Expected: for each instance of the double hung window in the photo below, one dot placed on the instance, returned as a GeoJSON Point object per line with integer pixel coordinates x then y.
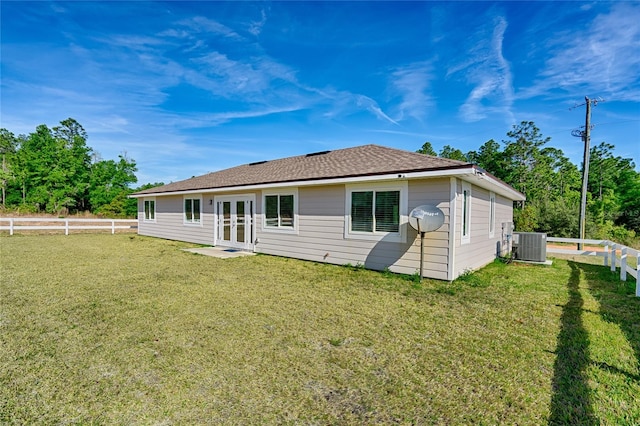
{"type": "Point", "coordinates": [280, 211]}
{"type": "Point", "coordinates": [192, 210]}
{"type": "Point", "coordinates": [150, 210]}
{"type": "Point", "coordinates": [492, 214]}
{"type": "Point", "coordinates": [466, 213]}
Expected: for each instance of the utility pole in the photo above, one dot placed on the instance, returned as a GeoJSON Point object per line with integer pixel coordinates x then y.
{"type": "Point", "coordinates": [586, 137]}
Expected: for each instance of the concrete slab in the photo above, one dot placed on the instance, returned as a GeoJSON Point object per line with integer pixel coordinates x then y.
{"type": "Point", "coordinates": [220, 252]}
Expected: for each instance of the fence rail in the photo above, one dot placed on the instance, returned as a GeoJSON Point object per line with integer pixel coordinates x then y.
{"type": "Point", "coordinates": [612, 252]}
{"type": "Point", "coordinates": [45, 223]}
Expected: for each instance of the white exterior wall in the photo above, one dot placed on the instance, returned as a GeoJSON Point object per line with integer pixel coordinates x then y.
{"type": "Point", "coordinates": [321, 238]}
{"type": "Point", "coordinates": [320, 231]}
{"type": "Point", "coordinates": [482, 247]}
{"type": "Point", "coordinates": [169, 222]}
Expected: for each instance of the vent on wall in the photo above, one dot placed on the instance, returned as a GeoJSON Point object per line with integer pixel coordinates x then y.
{"type": "Point", "coordinates": [530, 246]}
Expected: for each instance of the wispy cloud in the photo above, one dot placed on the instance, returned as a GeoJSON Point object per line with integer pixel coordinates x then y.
{"type": "Point", "coordinates": [412, 83]}
{"type": "Point", "coordinates": [214, 77]}
{"type": "Point", "coordinates": [255, 27]}
{"type": "Point", "coordinates": [340, 104]}
{"type": "Point", "coordinates": [490, 73]}
{"type": "Point", "coordinates": [398, 132]}
{"type": "Point", "coordinates": [201, 24]}
{"type": "Point", "coordinates": [603, 58]}
{"type": "Point", "coordinates": [208, 120]}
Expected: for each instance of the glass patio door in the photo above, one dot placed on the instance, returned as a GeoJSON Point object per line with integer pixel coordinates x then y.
{"type": "Point", "coordinates": [235, 222]}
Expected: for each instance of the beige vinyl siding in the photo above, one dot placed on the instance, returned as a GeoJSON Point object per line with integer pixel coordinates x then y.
{"type": "Point", "coordinates": [482, 249]}
{"type": "Point", "coordinates": [320, 230]}
{"type": "Point", "coordinates": [169, 220]}
{"type": "Point", "coordinates": [320, 236]}
{"type": "Point", "coordinates": [436, 244]}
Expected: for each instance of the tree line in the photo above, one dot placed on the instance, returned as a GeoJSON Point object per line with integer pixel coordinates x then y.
{"type": "Point", "coordinates": [53, 170]}
{"type": "Point", "coordinates": [552, 184]}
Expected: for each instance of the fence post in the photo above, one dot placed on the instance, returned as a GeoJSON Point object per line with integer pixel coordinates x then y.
{"type": "Point", "coordinates": [637, 274]}
{"type": "Point", "coordinates": [613, 257]}
{"type": "Point", "coordinates": [606, 253]}
{"type": "Point", "coordinates": [66, 227]}
{"type": "Point", "coordinates": [10, 226]}
{"type": "Point", "coordinates": [623, 264]}
{"type": "Point", "coordinates": [113, 227]}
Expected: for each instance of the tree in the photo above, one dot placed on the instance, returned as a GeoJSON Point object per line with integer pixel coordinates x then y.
{"type": "Point", "coordinates": [552, 183]}
{"type": "Point", "coordinates": [427, 149]}
{"type": "Point", "coordinates": [489, 157]}
{"type": "Point", "coordinates": [51, 171]}
{"type": "Point", "coordinates": [76, 157]}
{"type": "Point", "coordinates": [8, 147]}
{"type": "Point", "coordinates": [522, 156]}
{"type": "Point", "coordinates": [629, 190]}
{"type": "Point", "coordinates": [109, 184]}
{"type": "Point", "coordinates": [611, 181]}
{"type": "Point", "coordinates": [452, 153]}
{"type": "Point", "coordinates": [39, 169]}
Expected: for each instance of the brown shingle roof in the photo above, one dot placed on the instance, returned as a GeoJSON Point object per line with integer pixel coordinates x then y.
{"type": "Point", "coordinates": [366, 160]}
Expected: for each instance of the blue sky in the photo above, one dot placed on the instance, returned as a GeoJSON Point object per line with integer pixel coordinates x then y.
{"type": "Point", "coordinates": [185, 88]}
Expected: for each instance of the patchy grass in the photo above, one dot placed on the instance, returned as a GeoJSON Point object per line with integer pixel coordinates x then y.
{"type": "Point", "coordinates": [126, 329]}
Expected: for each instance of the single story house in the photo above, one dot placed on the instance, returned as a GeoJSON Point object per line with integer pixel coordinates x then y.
{"type": "Point", "coordinates": [346, 206]}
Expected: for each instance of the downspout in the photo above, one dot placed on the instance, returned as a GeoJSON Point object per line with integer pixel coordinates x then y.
{"type": "Point", "coordinates": [453, 189]}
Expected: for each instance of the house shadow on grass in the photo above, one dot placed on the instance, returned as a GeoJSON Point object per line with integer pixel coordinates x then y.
{"type": "Point", "coordinates": [618, 305]}
{"type": "Point", "coordinates": [571, 402]}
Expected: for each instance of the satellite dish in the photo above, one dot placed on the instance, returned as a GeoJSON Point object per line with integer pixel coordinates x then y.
{"type": "Point", "coordinates": [426, 218]}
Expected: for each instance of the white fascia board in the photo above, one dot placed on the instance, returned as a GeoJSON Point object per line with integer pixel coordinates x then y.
{"type": "Point", "coordinates": [487, 182]}
{"type": "Point", "coordinates": [467, 172]}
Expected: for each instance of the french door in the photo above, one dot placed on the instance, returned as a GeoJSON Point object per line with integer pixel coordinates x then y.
{"type": "Point", "coordinates": [235, 221]}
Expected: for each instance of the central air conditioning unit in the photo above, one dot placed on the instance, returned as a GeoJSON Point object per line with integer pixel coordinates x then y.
{"type": "Point", "coordinates": [530, 246]}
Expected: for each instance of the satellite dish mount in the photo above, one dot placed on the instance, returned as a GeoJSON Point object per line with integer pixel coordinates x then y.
{"type": "Point", "coordinates": [425, 218]}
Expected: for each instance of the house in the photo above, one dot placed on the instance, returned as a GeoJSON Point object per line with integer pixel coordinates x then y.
{"type": "Point", "coordinates": [346, 206]}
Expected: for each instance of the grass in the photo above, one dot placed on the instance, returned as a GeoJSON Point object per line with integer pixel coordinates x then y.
{"type": "Point", "coordinates": [123, 329]}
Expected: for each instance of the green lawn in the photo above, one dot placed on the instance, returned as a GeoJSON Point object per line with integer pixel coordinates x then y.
{"type": "Point", "coordinates": [122, 329]}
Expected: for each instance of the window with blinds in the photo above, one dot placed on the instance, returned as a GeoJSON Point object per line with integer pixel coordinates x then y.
{"type": "Point", "coordinates": [375, 210]}
{"type": "Point", "coordinates": [362, 211]}
{"type": "Point", "coordinates": [387, 211]}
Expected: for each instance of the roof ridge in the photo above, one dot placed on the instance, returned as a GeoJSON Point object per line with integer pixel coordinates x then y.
{"type": "Point", "coordinates": [360, 160]}
{"type": "Point", "coordinates": [447, 160]}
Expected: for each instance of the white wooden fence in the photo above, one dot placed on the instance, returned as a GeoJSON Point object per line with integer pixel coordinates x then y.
{"type": "Point", "coordinates": [614, 254]}
{"type": "Point", "coordinates": [66, 224]}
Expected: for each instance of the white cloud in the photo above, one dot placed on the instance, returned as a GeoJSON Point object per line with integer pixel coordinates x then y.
{"type": "Point", "coordinates": [202, 24]}
{"type": "Point", "coordinates": [255, 28]}
{"type": "Point", "coordinates": [340, 104]}
{"type": "Point", "coordinates": [490, 73]}
{"type": "Point", "coordinates": [412, 83]}
{"type": "Point", "coordinates": [600, 60]}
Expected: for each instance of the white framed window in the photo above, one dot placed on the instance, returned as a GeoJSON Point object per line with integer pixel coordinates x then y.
{"type": "Point", "coordinates": [466, 213]}
{"type": "Point", "coordinates": [149, 209]}
{"type": "Point", "coordinates": [192, 210]}
{"type": "Point", "coordinates": [492, 214]}
{"type": "Point", "coordinates": [376, 211]}
{"type": "Point", "coordinates": [280, 210]}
